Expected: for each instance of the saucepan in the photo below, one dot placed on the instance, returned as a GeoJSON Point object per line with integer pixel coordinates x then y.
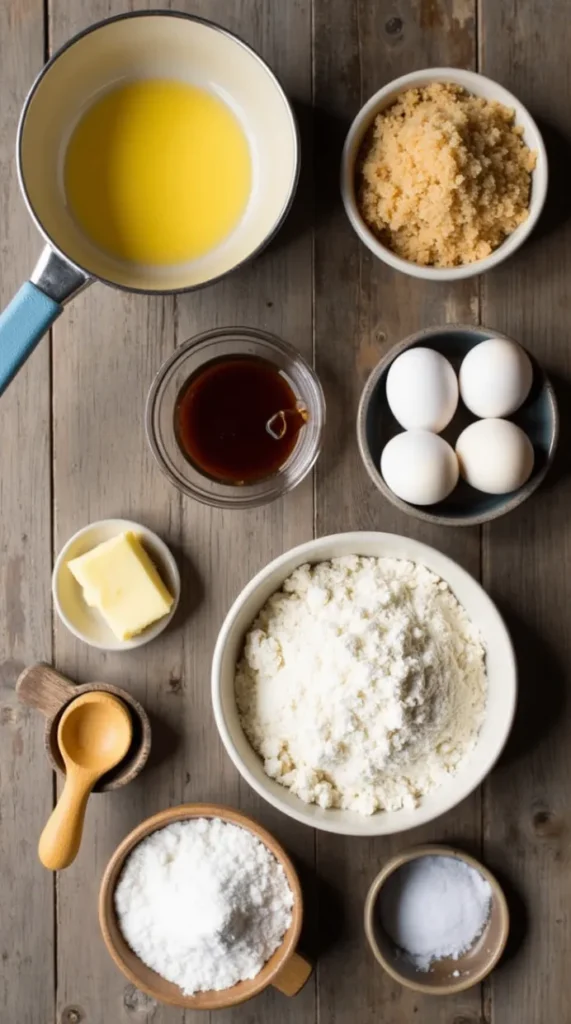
{"type": "Point", "coordinates": [165, 45]}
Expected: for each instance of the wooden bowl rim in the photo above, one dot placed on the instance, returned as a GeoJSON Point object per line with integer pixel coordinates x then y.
{"type": "Point", "coordinates": [417, 511]}
{"type": "Point", "coordinates": [133, 764]}
{"type": "Point", "coordinates": [435, 850]}
{"type": "Point", "coordinates": [203, 1000]}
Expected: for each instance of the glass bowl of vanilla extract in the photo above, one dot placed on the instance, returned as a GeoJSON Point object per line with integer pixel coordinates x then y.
{"type": "Point", "coordinates": [235, 418]}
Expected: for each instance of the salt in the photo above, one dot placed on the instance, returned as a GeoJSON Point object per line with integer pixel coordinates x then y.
{"type": "Point", "coordinates": [435, 907]}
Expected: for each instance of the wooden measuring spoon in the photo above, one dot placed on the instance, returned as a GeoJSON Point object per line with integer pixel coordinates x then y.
{"type": "Point", "coordinates": [42, 688]}
{"type": "Point", "coordinates": [94, 734]}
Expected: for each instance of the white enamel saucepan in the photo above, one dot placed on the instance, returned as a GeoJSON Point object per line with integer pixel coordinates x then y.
{"type": "Point", "coordinates": [161, 44]}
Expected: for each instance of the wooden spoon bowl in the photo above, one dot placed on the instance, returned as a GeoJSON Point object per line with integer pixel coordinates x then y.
{"type": "Point", "coordinates": [48, 691]}
{"type": "Point", "coordinates": [286, 970]}
{"type": "Point", "coordinates": [94, 735]}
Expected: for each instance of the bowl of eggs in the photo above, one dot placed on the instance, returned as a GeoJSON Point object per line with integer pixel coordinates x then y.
{"type": "Point", "coordinates": [457, 425]}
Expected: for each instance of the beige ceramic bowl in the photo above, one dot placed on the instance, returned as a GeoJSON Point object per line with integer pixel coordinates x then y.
{"type": "Point", "coordinates": [445, 977]}
{"type": "Point", "coordinates": [478, 85]}
{"type": "Point", "coordinates": [500, 665]}
{"type": "Point", "coordinates": [286, 970]}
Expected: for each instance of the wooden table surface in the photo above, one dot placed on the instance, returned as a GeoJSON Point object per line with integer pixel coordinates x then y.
{"type": "Point", "coordinates": [72, 450]}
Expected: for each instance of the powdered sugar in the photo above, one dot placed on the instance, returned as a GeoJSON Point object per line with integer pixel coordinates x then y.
{"type": "Point", "coordinates": [204, 903]}
{"type": "Point", "coordinates": [435, 907]}
{"type": "Point", "coordinates": [362, 683]}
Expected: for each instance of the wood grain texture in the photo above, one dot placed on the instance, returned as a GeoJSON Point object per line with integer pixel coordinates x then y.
{"type": "Point", "coordinates": [107, 350]}
{"type": "Point", "coordinates": [42, 688]}
{"type": "Point", "coordinates": [26, 917]}
{"type": "Point", "coordinates": [273, 293]}
{"type": "Point", "coordinates": [361, 309]}
{"type": "Point", "coordinates": [526, 556]}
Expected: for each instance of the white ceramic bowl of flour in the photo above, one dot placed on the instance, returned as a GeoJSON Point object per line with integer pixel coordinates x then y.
{"type": "Point", "coordinates": [500, 667]}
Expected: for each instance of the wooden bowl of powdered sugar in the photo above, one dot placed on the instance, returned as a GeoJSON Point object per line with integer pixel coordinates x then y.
{"type": "Point", "coordinates": [436, 920]}
{"type": "Point", "coordinates": [195, 899]}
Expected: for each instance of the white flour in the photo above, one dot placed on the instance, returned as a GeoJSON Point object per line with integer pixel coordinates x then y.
{"type": "Point", "coordinates": [204, 903]}
{"type": "Point", "coordinates": [362, 683]}
{"type": "Point", "coordinates": [435, 907]}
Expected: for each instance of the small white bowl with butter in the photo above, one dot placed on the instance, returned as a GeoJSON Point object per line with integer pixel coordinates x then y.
{"type": "Point", "coordinates": [124, 594]}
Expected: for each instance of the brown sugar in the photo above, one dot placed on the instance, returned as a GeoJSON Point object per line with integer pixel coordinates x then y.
{"type": "Point", "coordinates": [444, 176]}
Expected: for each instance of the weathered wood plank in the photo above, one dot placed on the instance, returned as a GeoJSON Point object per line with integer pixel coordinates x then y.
{"type": "Point", "coordinates": [26, 919]}
{"type": "Point", "coordinates": [361, 309]}
{"type": "Point", "coordinates": [273, 293]}
{"type": "Point", "coordinates": [116, 343]}
{"type": "Point", "coordinates": [107, 347]}
{"type": "Point", "coordinates": [527, 817]}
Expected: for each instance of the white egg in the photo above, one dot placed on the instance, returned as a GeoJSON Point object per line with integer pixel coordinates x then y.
{"type": "Point", "coordinates": [495, 378]}
{"type": "Point", "coordinates": [422, 390]}
{"type": "Point", "coordinates": [495, 456]}
{"type": "Point", "coordinates": [419, 467]}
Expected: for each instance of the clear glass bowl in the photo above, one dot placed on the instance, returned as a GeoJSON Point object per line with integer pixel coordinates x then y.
{"type": "Point", "coordinates": [175, 372]}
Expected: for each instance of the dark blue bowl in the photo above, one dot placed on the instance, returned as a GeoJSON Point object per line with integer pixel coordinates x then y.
{"type": "Point", "coordinates": [538, 417]}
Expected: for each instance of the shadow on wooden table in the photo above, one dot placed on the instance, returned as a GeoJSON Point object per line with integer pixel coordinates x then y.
{"type": "Point", "coordinates": [541, 688]}
{"type": "Point", "coordinates": [557, 209]}
{"type": "Point", "coordinates": [519, 917]}
{"type": "Point", "coordinates": [165, 741]}
{"type": "Point", "coordinates": [561, 467]}
{"type": "Point", "coordinates": [322, 135]}
{"type": "Point", "coordinates": [323, 922]}
{"type": "Point", "coordinates": [191, 588]}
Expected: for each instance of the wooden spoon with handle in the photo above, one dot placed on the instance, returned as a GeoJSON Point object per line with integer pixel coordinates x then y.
{"type": "Point", "coordinates": [94, 734]}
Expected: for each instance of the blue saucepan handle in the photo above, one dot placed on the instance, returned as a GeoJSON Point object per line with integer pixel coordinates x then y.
{"type": "Point", "coordinates": [34, 308]}
{"type": "Point", "coordinates": [22, 324]}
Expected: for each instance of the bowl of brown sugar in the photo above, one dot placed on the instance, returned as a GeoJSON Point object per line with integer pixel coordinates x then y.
{"type": "Point", "coordinates": [444, 174]}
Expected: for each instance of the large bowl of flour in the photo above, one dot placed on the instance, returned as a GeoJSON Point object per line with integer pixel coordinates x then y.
{"type": "Point", "coordinates": [364, 683]}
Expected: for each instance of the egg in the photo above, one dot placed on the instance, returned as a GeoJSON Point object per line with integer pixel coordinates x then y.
{"type": "Point", "coordinates": [422, 390]}
{"type": "Point", "coordinates": [495, 378]}
{"type": "Point", "coordinates": [495, 456]}
{"type": "Point", "coordinates": [419, 467]}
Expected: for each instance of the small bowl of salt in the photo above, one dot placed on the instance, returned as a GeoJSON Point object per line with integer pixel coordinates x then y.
{"type": "Point", "coordinates": [436, 919]}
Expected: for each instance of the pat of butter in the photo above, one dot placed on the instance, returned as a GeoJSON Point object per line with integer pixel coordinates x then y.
{"type": "Point", "coordinates": [119, 579]}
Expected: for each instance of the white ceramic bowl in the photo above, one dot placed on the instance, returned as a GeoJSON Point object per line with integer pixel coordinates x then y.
{"type": "Point", "coordinates": [500, 663]}
{"type": "Point", "coordinates": [86, 623]}
{"type": "Point", "coordinates": [479, 86]}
